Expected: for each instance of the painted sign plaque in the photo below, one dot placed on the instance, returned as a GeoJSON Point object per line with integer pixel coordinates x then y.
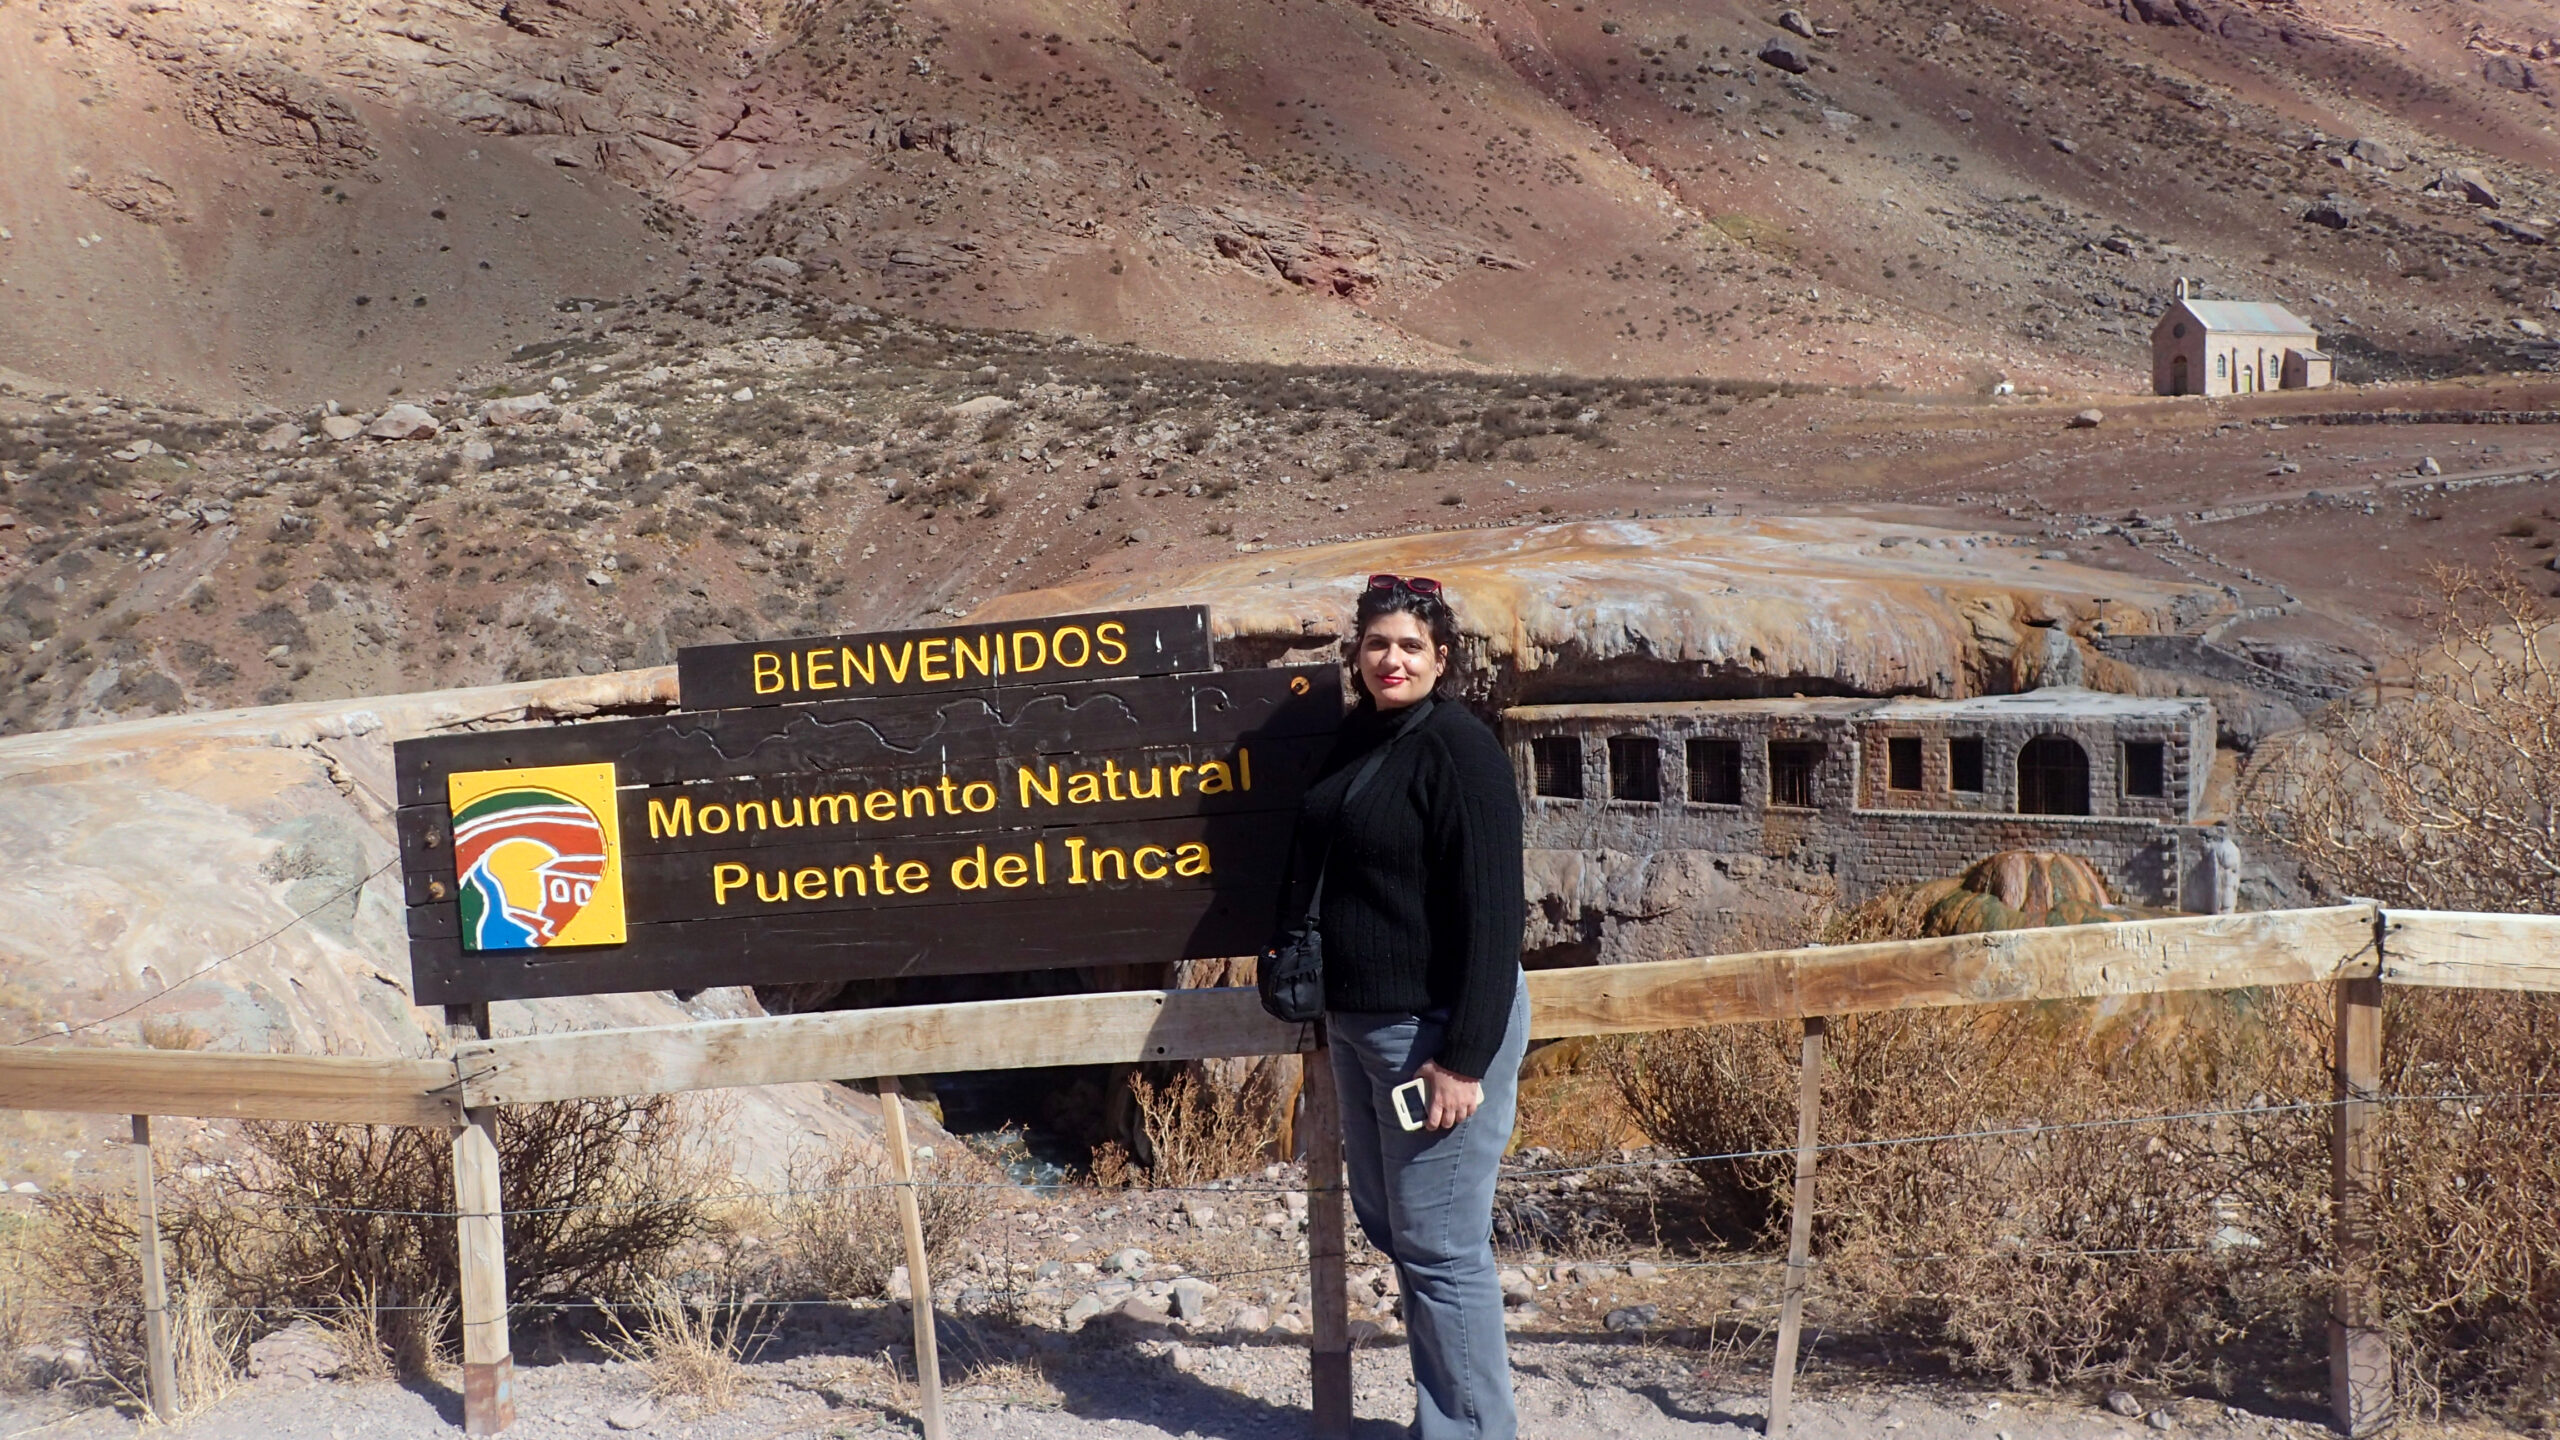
{"type": "Point", "coordinates": [1002, 827]}
{"type": "Point", "coordinates": [1167, 641]}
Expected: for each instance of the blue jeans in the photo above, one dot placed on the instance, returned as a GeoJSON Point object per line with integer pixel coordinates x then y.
{"type": "Point", "coordinates": [1425, 1199]}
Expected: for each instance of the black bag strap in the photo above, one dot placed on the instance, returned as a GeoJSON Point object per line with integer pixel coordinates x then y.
{"type": "Point", "coordinates": [1360, 781]}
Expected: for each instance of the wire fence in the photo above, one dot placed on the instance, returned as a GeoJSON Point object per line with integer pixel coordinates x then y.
{"type": "Point", "coordinates": [1510, 1174]}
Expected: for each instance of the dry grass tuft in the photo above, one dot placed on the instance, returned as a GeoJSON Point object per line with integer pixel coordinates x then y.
{"type": "Point", "coordinates": [695, 1348]}
{"type": "Point", "coordinates": [163, 1033]}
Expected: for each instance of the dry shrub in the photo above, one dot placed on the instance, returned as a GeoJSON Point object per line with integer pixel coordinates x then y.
{"type": "Point", "coordinates": [2157, 1248]}
{"type": "Point", "coordinates": [692, 1347]}
{"type": "Point", "coordinates": [328, 1217]}
{"type": "Point", "coordinates": [1197, 1132]}
{"type": "Point", "coordinates": [2445, 793]}
{"type": "Point", "coordinates": [839, 1225]}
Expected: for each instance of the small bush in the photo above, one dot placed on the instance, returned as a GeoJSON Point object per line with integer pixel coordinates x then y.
{"type": "Point", "coordinates": [330, 1216]}
{"type": "Point", "coordinates": [840, 1230]}
{"type": "Point", "coordinates": [1196, 1132]}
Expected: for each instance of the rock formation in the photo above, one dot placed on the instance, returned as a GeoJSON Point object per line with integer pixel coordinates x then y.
{"type": "Point", "coordinates": [239, 865]}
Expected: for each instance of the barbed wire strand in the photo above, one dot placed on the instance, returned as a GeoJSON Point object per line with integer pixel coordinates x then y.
{"type": "Point", "coordinates": [1240, 1188]}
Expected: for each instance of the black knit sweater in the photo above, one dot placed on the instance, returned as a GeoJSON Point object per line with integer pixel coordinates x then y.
{"type": "Point", "coordinates": [1423, 905]}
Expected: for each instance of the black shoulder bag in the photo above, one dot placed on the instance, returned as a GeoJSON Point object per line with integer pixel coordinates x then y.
{"type": "Point", "coordinates": [1291, 973]}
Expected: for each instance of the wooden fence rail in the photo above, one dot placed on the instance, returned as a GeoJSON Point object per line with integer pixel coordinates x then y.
{"type": "Point", "coordinates": [2362, 946]}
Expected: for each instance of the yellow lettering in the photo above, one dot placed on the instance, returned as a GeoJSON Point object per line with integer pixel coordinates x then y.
{"type": "Point", "coordinates": [930, 654]}
{"type": "Point", "coordinates": [1191, 858]}
{"type": "Point", "coordinates": [1011, 871]}
{"type": "Point", "coordinates": [969, 872]}
{"type": "Point", "coordinates": [794, 658]}
{"type": "Point", "coordinates": [1154, 791]}
{"type": "Point", "coordinates": [1075, 859]}
{"type": "Point", "coordinates": [880, 805]}
{"type": "Point", "coordinates": [1040, 861]}
{"type": "Point", "coordinates": [719, 813]}
{"type": "Point", "coordinates": [1112, 642]}
{"type": "Point", "coordinates": [962, 657]}
{"type": "Point", "coordinates": [860, 886]}
{"type": "Point", "coordinates": [913, 877]}
{"type": "Point", "coordinates": [904, 656]}
{"type": "Point", "coordinates": [834, 809]}
{"type": "Point", "coordinates": [907, 799]}
{"type": "Point", "coordinates": [725, 878]}
{"type": "Point", "coordinates": [1084, 788]}
{"type": "Point", "coordinates": [1031, 786]}
{"type": "Point", "coordinates": [746, 808]}
{"type": "Point", "coordinates": [767, 672]}
{"type": "Point", "coordinates": [781, 888]}
{"type": "Point", "coordinates": [950, 797]}
{"type": "Point", "coordinates": [1119, 862]}
{"type": "Point", "coordinates": [1216, 779]}
{"type": "Point", "coordinates": [1138, 861]}
{"type": "Point", "coordinates": [1178, 772]}
{"type": "Point", "coordinates": [809, 884]}
{"type": "Point", "coordinates": [1084, 646]}
{"type": "Point", "coordinates": [978, 796]}
{"type": "Point", "coordinates": [796, 815]}
{"type": "Point", "coordinates": [861, 667]}
{"type": "Point", "coordinates": [822, 675]}
{"type": "Point", "coordinates": [1244, 766]}
{"type": "Point", "coordinates": [667, 820]}
{"type": "Point", "coordinates": [1039, 651]}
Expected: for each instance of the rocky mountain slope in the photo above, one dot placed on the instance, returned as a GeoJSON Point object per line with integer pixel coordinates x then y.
{"type": "Point", "coordinates": [219, 199]}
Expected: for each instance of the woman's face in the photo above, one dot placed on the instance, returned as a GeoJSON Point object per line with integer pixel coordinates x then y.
{"type": "Point", "coordinates": [1398, 662]}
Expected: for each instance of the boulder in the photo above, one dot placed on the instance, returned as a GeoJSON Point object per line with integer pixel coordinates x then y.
{"type": "Point", "coordinates": [1786, 55]}
{"type": "Point", "coordinates": [2333, 211]}
{"type": "Point", "coordinates": [2088, 419]}
{"type": "Point", "coordinates": [2380, 156]}
{"type": "Point", "coordinates": [1794, 21]}
{"type": "Point", "coordinates": [983, 407]}
{"type": "Point", "coordinates": [774, 267]}
{"type": "Point", "coordinates": [514, 409]}
{"type": "Point", "coordinates": [2521, 234]}
{"type": "Point", "coordinates": [403, 422]}
{"type": "Point", "coordinates": [2063, 143]}
{"type": "Point", "coordinates": [341, 427]}
{"type": "Point", "coordinates": [280, 437]}
{"type": "Point", "coordinates": [2471, 185]}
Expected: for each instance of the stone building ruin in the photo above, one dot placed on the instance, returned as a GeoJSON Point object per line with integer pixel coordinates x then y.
{"type": "Point", "coordinates": [1658, 829]}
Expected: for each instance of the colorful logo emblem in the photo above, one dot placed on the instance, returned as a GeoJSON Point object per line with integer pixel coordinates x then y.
{"type": "Point", "coordinates": [539, 856]}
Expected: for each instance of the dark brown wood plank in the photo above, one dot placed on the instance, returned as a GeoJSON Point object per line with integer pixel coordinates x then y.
{"type": "Point", "coordinates": [899, 731]}
{"type": "Point", "coordinates": [1167, 640]}
{"type": "Point", "coordinates": [1102, 929]}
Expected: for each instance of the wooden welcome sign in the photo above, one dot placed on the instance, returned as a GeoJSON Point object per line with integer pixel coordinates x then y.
{"type": "Point", "coordinates": [1076, 791]}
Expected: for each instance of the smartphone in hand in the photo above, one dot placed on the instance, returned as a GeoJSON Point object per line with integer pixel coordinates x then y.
{"type": "Point", "coordinates": [1413, 1103]}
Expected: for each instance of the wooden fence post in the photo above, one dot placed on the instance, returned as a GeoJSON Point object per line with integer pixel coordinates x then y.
{"type": "Point", "coordinates": [1782, 1375]}
{"type": "Point", "coordinates": [1328, 1291]}
{"type": "Point", "coordinates": [902, 1165]}
{"type": "Point", "coordinates": [163, 1365]}
{"type": "Point", "coordinates": [488, 1362]}
{"type": "Point", "coordinates": [2360, 1379]}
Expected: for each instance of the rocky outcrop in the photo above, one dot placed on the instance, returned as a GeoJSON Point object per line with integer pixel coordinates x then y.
{"type": "Point", "coordinates": [1679, 609]}
{"type": "Point", "coordinates": [232, 875]}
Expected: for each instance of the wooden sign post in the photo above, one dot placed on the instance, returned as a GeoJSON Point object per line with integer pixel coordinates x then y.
{"type": "Point", "coordinates": [1079, 791]}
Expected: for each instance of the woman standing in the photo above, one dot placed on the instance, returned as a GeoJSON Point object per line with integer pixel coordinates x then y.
{"type": "Point", "coordinates": [1413, 827]}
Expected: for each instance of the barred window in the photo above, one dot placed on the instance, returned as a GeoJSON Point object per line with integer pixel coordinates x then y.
{"type": "Point", "coordinates": [1715, 771]}
{"type": "Point", "coordinates": [1635, 768]}
{"type": "Point", "coordinates": [1556, 763]}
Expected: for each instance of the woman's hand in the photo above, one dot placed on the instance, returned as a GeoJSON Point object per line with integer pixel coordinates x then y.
{"type": "Point", "coordinates": [1454, 1097]}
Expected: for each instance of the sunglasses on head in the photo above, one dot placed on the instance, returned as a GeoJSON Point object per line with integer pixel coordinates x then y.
{"type": "Point", "coordinates": [1418, 584]}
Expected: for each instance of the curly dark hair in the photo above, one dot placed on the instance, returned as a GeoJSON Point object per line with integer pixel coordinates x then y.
{"type": "Point", "coordinates": [1432, 610]}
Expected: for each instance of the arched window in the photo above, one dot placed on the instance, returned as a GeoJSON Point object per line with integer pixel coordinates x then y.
{"type": "Point", "coordinates": [2221, 367]}
{"type": "Point", "coordinates": [2053, 777]}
